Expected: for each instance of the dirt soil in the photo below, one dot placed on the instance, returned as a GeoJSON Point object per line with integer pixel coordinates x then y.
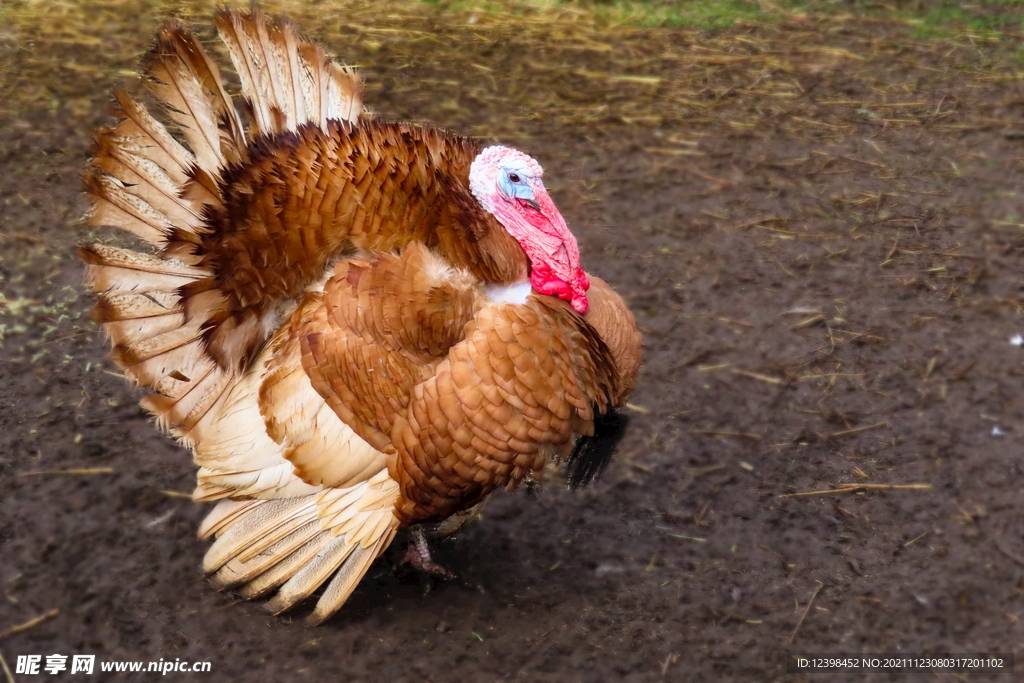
{"type": "Point", "coordinates": [820, 226]}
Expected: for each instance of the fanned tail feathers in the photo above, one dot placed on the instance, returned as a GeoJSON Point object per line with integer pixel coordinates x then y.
{"type": "Point", "coordinates": [145, 182]}
{"type": "Point", "coordinates": [295, 545]}
{"type": "Point", "coordinates": [154, 343]}
{"type": "Point", "coordinates": [287, 534]}
{"type": "Point", "coordinates": [178, 72]}
{"type": "Point", "coordinates": [286, 82]}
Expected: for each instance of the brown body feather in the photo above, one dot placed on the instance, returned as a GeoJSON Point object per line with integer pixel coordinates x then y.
{"type": "Point", "coordinates": [318, 325]}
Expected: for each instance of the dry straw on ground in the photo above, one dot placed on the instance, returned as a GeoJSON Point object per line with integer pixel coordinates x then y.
{"type": "Point", "coordinates": [568, 66]}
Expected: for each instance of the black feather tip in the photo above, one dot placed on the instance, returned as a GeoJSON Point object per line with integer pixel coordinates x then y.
{"type": "Point", "coordinates": [591, 454]}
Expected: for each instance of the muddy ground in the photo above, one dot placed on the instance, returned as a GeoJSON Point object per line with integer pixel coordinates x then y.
{"type": "Point", "coordinates": [820, 227]}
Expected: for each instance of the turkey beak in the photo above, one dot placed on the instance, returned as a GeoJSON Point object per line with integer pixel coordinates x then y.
{"type": "Point", "coordinates": [530, 202]}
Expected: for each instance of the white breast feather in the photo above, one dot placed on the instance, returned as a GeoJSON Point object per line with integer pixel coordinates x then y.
{"type": "Point", "coordinates": [513, 294]}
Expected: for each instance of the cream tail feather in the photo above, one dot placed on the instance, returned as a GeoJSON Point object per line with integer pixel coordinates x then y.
{"type": "Point", "coordinates": [295, 545]}
{"type": "Point", "coordinates": [257, 434]}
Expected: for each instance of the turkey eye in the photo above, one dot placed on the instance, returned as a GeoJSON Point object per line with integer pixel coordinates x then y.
{"type": "Point", "coordinates": [514, 177]}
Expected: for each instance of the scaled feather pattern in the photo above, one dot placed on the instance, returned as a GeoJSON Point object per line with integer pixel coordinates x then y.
{"type": "Point", "coordinates": [354, 327]}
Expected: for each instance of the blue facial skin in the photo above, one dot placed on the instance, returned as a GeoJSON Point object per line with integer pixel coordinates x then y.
{"type": "Point", "coordinates": [518, 189]}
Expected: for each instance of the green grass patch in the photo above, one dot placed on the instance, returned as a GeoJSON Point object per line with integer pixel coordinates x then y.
{"type": "Point", "coordinates": [930, 17]}
{"type": "Point", "coordinates": [705, 14]}
{"type": "Point", "coordinates": [984, 18]}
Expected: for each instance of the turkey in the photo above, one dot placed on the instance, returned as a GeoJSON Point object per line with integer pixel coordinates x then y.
{"type": "Point", "coordinates": [356, 326]}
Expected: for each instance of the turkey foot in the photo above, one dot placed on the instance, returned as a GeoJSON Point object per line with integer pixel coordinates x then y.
{"type": "Point", "coordinates": [418, 555]}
